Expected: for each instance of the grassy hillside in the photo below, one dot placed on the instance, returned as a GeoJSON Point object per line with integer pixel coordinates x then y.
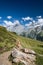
{"type": "Point", "coordinates": [8, 40]}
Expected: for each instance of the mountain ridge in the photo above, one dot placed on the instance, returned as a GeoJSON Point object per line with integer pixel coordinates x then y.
{"type": "Point", "coordinates": [8, 41]}
{"type": "Point", "coordinates": [31, 32]}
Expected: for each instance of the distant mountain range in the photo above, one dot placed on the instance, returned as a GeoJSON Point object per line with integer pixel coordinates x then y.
{"type": "Point", "coordinates": [35, 32]}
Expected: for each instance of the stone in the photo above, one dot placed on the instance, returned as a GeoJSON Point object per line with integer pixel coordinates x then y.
{"type": "Point", "coordinates": [29, 51]}
{"type": "Point", "coordinates": [20, 56]}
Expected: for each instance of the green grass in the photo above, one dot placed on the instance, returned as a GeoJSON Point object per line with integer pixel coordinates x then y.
{"type": "Point", "coordinates": [37, 46]}
{"type": "Point", "coordinates": [8, 40]}
{"type": "Point", "coordinates": [39, 60]}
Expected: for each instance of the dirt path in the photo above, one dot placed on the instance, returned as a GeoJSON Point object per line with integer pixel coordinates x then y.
{"type": "Point", "coordinates": [4, 58]}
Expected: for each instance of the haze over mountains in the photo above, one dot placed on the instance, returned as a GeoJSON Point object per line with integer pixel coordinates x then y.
{"type": "Point", "coordinates": [33, 29]}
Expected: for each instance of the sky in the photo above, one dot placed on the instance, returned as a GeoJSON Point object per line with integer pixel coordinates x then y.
{"type": "Point", "coordinates": [21, 8]}
{"type": "Point", "coordinates": [22, 12]}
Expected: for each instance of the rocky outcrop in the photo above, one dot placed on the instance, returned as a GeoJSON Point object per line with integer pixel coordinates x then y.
{"type": "Point", "coordinates": [23, 55]}
{"type": "Point", "coordinates": [26, 56]}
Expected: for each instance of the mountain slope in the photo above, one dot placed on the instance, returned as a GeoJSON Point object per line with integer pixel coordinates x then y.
{"type": "Point", "coordinates": [40, 36]}
{"type": "Point", "coordinates": [8, 40]}
{"type": "Point", "coordinates": [28, 31]}
{"type": "Point", "coordinates": [34, 33]}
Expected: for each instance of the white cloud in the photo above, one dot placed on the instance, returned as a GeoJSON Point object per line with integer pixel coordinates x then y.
{"type": "Point", "coordinates": [17, 27]}
{"type": "Point", "coordinates": [7, 23]}
{"type": "Point", "coordinates": [29, 24]}
{"type": "Point", "coordinates": [0, 17]}
{"type": "Point", "coordinates": [16, 22]}
{"type": "Point", "coordinates": [38, 16]}
{"type": "Point", "coordinates": [40, 21]}
{"type": "Point", "coordinates": [27, 18]}
{"type": "Point", "coordinates": [35, 23]}
{"type": "Point", "coordinates": [9, 17]}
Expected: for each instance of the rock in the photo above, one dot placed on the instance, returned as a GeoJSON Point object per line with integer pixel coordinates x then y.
{"type": "Point", "coordinates": [16, 60]}
{"type": "Point", "coordinates": [20, 56]}
{"type": "Point", "coordinates": [29, 51]}
{"type": "Point", "coordinates": [18, 44]}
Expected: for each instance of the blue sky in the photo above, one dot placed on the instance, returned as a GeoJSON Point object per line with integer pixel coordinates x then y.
{"type": "Point", "coordinates": [22, 12]}
{"type": "Point", "coordinates": [21, 8]}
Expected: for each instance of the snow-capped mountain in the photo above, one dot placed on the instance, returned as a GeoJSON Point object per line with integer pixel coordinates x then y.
{"type": "Point", "coordinates": [32, 30]}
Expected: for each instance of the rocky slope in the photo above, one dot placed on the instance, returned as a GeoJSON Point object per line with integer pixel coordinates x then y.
{"type": "Point", "coordinates": [23, 55]}
{"type": "Point", "coordinates": [26, 58]}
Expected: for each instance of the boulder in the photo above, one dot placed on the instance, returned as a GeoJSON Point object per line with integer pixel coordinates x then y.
{"type": "Point", "coordinates": [27, 56]}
